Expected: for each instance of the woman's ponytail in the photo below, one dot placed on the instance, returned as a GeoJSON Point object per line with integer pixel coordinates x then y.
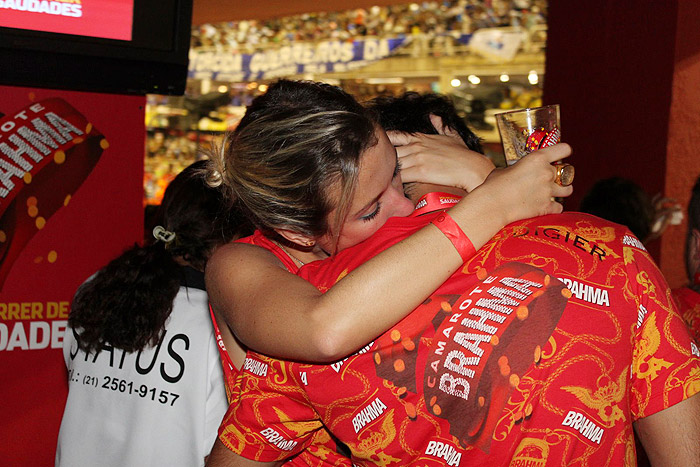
{"type": "Point", "coordinates": [125, 304]}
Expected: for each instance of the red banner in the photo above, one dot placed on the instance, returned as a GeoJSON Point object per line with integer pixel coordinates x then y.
{"type": "Point", "coordinates": [110, 19]}
{"type": "Point", "coordinates": [71, 166]}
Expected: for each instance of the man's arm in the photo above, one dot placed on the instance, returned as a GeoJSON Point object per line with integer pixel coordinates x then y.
{"type": "Point", "coordinates": [223, 457]}
{"type": "Point", "coordinates": [672, 436]}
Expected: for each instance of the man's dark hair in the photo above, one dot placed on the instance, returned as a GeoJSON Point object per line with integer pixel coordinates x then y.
{"type": "Point", "coordinates": [411, 112]}
{"type": "Point", "coordinates": [694, 207]}
{"type": "Point", "coordinates": [693, 224]}
{"type": "Point", "coordinates": [622, 201]}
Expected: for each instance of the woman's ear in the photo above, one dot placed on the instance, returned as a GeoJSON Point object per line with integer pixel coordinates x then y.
{"type": "Point", "coordinates": [297, 238]}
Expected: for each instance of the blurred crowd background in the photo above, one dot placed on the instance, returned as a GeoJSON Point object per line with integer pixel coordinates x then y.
{"type": "Point", "coordinates": [438, 24]}
{"type": "Point", "coordinates": [435, 45]}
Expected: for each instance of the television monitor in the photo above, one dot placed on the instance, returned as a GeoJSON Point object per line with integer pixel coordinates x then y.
{"type": "Point", "coordinates": [114, 46]}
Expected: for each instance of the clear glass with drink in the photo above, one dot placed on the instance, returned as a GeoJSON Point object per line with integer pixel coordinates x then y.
{"type": "Point", "coordinates": [527, 130]}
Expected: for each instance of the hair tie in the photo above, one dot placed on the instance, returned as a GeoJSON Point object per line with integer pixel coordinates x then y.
{"type": "Point", "coordinates": [214, 178]}
{"type": "Point", "coordinates": [163, 235]}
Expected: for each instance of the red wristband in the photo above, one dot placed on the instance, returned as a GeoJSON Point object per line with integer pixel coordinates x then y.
{"type": "Point", "coordinates": [454, 234]}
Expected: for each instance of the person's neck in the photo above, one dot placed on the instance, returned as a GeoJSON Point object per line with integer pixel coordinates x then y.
{"type": "Point", "coordinates": [695, 277]}
{"type": "Point", "coordinates": [300, 255]}
{"type": "Point", "coordinates": [694, 287]}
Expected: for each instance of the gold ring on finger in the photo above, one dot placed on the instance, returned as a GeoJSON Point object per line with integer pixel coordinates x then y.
{"type": "Point", "coordinates": [565, 174]}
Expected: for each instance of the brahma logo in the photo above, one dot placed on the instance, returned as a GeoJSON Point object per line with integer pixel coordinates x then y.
{"type": "Point", "coordinates": [495, 333]}
{"type": "Point", "coordinates": [531, 452]}
{"type": "Point", "coordinates": [47, 150]}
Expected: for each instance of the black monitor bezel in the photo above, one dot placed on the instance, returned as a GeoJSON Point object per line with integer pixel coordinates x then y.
{"type": "Point", "coordinates": [154, 61]}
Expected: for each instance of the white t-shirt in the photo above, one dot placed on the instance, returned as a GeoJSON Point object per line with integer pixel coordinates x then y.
{"type": "Point", "coordinates": [158, 407]}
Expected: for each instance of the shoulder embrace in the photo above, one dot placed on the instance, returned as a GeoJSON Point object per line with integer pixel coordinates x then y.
{"type": "Point", "coordinates": [237, 258]}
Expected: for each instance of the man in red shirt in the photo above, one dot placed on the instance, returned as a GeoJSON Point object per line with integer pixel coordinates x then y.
{"type": "Point", "coordinates": [549, 346]}
{"type": "Point", "coordinates": [689, 297]}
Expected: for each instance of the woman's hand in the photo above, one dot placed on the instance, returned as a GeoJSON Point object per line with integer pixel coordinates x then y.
{"type": "Point", "coordinates": [441, 159]}
{"type": "Point", "coordinates": [527, 188]}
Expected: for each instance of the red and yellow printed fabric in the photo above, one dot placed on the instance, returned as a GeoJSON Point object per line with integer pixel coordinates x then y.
{"type": "Point", "coordinates": [689, 306]}
{"type": "Point", "coordinates": [323, 450]}
{"type": "Point", "coordinates": [543, 349]}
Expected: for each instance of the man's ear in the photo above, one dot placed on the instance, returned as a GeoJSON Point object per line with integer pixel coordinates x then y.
{"type": "Point", "coordinates": [297, 238]}
{"type": "Point", "coordinates": [440, 126]}
{"type": "Point", "coordinates": [437, 123]}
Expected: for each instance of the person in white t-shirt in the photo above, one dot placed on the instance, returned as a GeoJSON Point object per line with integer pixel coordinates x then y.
{"type": "Point", "coordinates": [145, 379]}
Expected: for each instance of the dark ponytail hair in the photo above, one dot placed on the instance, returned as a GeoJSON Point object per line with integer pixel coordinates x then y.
{"type": "Point", "coordinates": [125, 305]}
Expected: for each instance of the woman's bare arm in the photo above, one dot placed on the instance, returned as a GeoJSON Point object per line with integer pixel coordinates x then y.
{"type": "Point", "coordinates": [277, 313]}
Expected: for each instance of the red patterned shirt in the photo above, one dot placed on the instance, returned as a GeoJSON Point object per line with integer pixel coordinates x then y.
{"type": "Point", "coordinates": [543, 349]}
{"type": "Point", "coordinates": [323, 449]}
{"type": "Point", "coordinates": [689, 307]}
